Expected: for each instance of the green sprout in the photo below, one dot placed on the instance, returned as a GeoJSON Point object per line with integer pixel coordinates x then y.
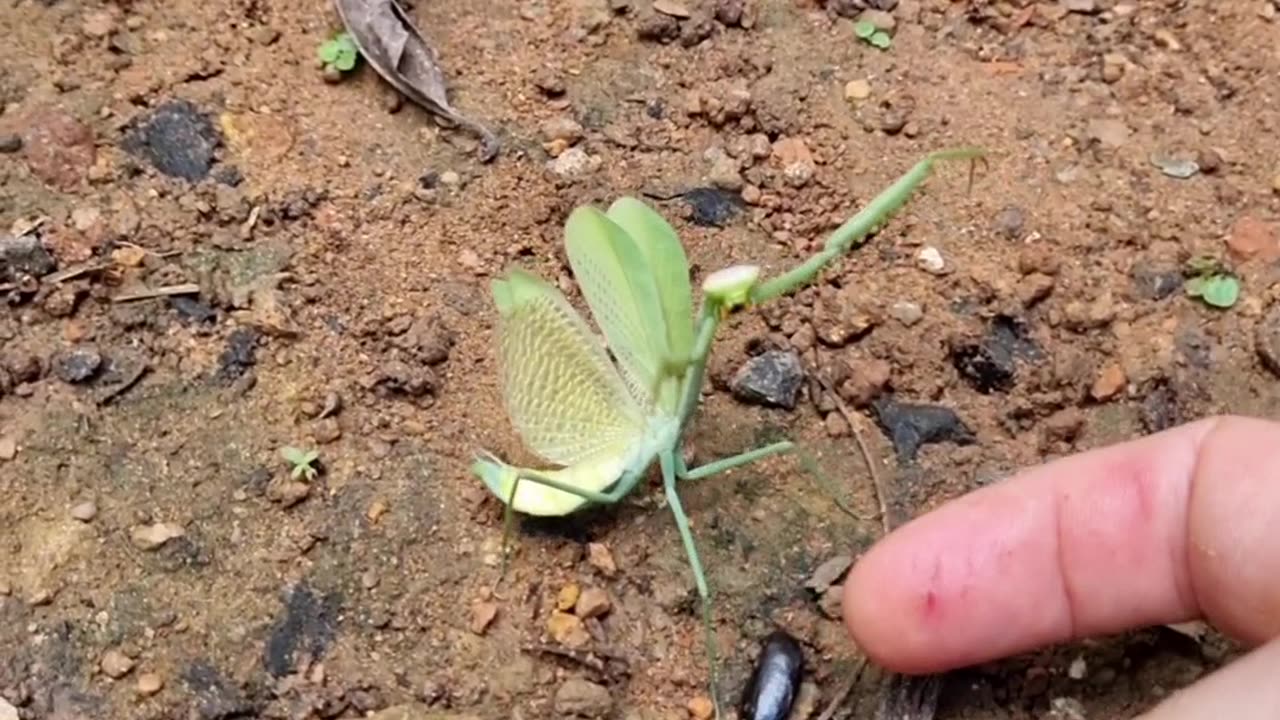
{"type": "Point", "coordinates": [1212, 282]}
{"type": "Point", "coordinates": [339, 53]}
{"type": "Point", "coordinates": [870, 34]}
{"type": "Point", "coordinates": [300, 461]}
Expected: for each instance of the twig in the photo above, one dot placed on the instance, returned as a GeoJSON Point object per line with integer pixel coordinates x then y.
{"type": "Point", "coordinates": [582, 658]}
{"type": "Point", "coordinates": [165, 291]}
{"type": "Point", "coordinates": [72, 273]}
{"type": "Point", "coordinates": [862, 446]}
{"type": "Point", "coordinates": [844, 691]}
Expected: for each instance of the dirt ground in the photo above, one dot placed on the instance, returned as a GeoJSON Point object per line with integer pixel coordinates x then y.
{"type": "Point", "coordinates": [158, 561]}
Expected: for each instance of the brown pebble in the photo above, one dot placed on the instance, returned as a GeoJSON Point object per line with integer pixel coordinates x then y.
{"type": "Point", "coordinates": [8, 448]}
{"type": "Point", "coordinates": [835, 425]}
{"type": "Point", "coordinates": [567, 630]}
{"type": "Point", "coordinates": [85, 511]}
{"type": "Point", "coordinates": [149, 684]}
{"type": "Point", "coordinates": [568, 596]}
{"type": "Point", "coordinates": [601, 559]}
{"type": "Point", "coordinates": [115, 664]}
{"type": "Point", "coordinates": [1109, 382]}
{"type": "Point", "coordinates": [482, 616]}
{"type": "Point", "coordinates": [593, 602]}
{"type": "Point", "coordinates": [701, 708]}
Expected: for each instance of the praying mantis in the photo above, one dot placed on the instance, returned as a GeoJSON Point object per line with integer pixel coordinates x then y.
{"type": "Point", "coordinates": [604, 415]}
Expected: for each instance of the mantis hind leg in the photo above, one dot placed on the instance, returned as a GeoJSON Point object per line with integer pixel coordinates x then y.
{"type": "Point", "coordinates": [621, 488]}
{"type": "Point", "coordinates": [668, 461]}
{"type": "Point", "coordinates": [750, 456]}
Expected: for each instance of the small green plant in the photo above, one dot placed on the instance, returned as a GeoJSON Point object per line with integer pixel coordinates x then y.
{"type": "Point", "coordinates": [1212, 282]}
{"type": "Point", "coordinates": [870, 34]}
{"type": "Point", "coordinates": [300, 461]}
{"type": "Point", "coordinates": [339, 53]}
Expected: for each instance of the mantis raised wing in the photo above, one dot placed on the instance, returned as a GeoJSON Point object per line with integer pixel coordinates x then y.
{"type": "Point", "coordinates": [604, 423]}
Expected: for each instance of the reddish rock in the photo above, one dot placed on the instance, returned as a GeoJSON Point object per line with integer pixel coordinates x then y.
{"type": "Point", "coordinates": [1251, 237]}
{"type": "Point", "coordinates": [58, 149]}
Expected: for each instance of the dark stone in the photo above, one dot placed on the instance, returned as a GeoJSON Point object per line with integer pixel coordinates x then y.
{"type": "Point", "coordinates": [192, 309]}
{"type": "Point", "coordinates": [10, 143]}
{"type": "Point", "coordinates": [991, 363]}
{"type": "Point", "coordinates": [1152, 281]}
{"type": "Point", "coordinates": [257, 481]}
{"type": "Point", "coordinates": [22, 256]}
{"type": "Point", "coordinates": [228, 175]}
{"type": "Point", "coordinates": [216, 698]}
{"type": "Point", "coordinates": [772, 378]}
{"type": "Point", "coordinates": [177, 139]}
{"type": "Point", "coordinates": [1010, 222]}
{"type": "Point", "coordinates": [911, 426]}
{"type": "Point", "coordinates": [77, 365]}
{"type": "Point", "coordinates": [308, 626]}
{"type": "Point", "coordinates": [713, 207]}
{"type": "Point", "coordinates": [1160, 409]}
{"type": "Point", "coordinates": [238, 355]}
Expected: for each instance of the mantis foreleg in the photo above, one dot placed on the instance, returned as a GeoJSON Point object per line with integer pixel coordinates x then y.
{"type": "Point", "coordinates": [729, 463]}
{"type": "Point", "coordinates": [668, 462]}
{"type": "Point", "coordinates": [859, 226]}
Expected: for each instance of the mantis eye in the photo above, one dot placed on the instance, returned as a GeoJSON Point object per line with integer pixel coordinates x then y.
{"type": "Point", "coordinates": [731, 286]}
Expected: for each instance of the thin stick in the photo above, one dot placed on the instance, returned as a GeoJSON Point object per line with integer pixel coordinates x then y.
{"type": "Point", "coordinates": [165, 291]}
{"type": "Point", "coordinates": [862, 446]}
{"type": "Point", "coordinates": [844, 691]}
{"type": "Point", "coordinates": [73, 273]}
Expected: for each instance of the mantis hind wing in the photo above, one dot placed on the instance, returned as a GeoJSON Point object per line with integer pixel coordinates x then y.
{"type": "Point", "coordinates": [620, 287]}
{"type": "Point", "coordinates": [563, 395]}
{"type": "Point", "coordinates": [669, 264]}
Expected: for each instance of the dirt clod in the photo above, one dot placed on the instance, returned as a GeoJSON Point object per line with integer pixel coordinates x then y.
{"type": "Point", "coordinates": [592, 603]}
{"type": "Point", "coordinates": [149, 684]}
{"type": "Point", "coordinates": [583, 698]}
{"type": "Point", "coordinates": [151, 537]}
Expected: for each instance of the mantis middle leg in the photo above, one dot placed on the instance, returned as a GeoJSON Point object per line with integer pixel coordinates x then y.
{"type": "Point", "coordinates": [718, 466]}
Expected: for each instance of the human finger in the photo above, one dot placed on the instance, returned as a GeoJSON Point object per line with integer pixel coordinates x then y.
{"type": "Point", "coordinates": [1161, 529]}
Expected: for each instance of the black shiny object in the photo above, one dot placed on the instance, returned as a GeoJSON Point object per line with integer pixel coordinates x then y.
{"type": "Point", "coordinates": [776, 681]}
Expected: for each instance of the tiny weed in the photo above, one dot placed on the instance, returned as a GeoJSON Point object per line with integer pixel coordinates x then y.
{"type": "Point", "coordinates": [868, 33]}
{"type": "Point", "coordinates": [1212, 282]}
{"type": "Point", "coordinates": [339, 53]}
{"type": "Point", "coordinates": [300, 461]}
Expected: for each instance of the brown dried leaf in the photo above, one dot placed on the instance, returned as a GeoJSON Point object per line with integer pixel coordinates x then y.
{"type": "Point", "coordinates": [388, 40]}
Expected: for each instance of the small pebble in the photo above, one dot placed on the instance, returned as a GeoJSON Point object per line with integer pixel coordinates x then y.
{"type": "Point", "coordinates": [930, 260]}
{"type": "Point", "coordinates": [857, 90]}
{"type": "Point", "coordinates": [567, 630]}
{"type": "Point", "coordinates": [1109, 382]}
{"type": "Point", "coordinates": [907, 313]}
{"type": "Point", "coordinates": [583, 698]}
{"type": "Point", "coordinates": [601, 559]}
{"type": "Point", "coordinates": [149, 684]}
{"type": "Point", "coordinates": [115, 664]}
{"type": "Point", "coordinates": [1078, 669]}
{"type": "Point", "coordinates": [568, 597]}
{"type": "Point", "coordinates": [701, 708]}
{"type": "Point", "coordinates": [593, 602]}
{"type": "Point", "coordinates": [8, 447]}
{"type": "Point", "coordinates": [151, 537]}
{"type": "Point", "coordinates": [85, 511]}
{"type": "Point", "coordinates": [482, 616]}
{"type": "Point", "coordinates": [10, 143]}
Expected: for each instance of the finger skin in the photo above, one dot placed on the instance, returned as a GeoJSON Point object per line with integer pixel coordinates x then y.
{"type": "Point", "coordinates": [1244, 690]}
{"type": "Point", "coordinates": [1163, 529]}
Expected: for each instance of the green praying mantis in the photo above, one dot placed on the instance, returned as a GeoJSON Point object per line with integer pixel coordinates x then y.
{"type": "Point", "coordinates": [604, 420]}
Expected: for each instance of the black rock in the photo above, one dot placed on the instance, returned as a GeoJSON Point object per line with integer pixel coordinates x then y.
{"type": "Point", "coordinates": [990, 364]}
{"type": "Point", "coordinates": [238, 355]}
{"type": "Point", "coordinates": [177, 139]}
{"type": "Point", "coordinates": [772, 378]}
{"type": "Point", "coordinates": [1160, 409]}
{"type": "Point", "coordinates": [24, 255]}
{"type": "Point", "coordinates": [911, 426]}
{"type": "Point", "coordinates": [1152, 281]}
{"type": "Point", "coordinates": [10, 143]}
{"type": "Point", "coordinates": [77, 365]}
{"type": "Point", "coordinates": [192, 309]}
{"type": "Point", "coordinates": [713, 207]}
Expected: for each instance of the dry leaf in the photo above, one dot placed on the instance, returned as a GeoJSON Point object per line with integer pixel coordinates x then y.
{"type": "Point", "coordinates": [395, 49]}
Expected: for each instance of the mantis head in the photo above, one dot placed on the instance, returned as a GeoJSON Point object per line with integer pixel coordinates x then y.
{"type": "Point", "coordinates": [731, 287]}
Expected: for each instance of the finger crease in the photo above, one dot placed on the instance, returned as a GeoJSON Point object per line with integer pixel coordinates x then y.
{"type": "Point", "coordinates": [1068, 595]}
